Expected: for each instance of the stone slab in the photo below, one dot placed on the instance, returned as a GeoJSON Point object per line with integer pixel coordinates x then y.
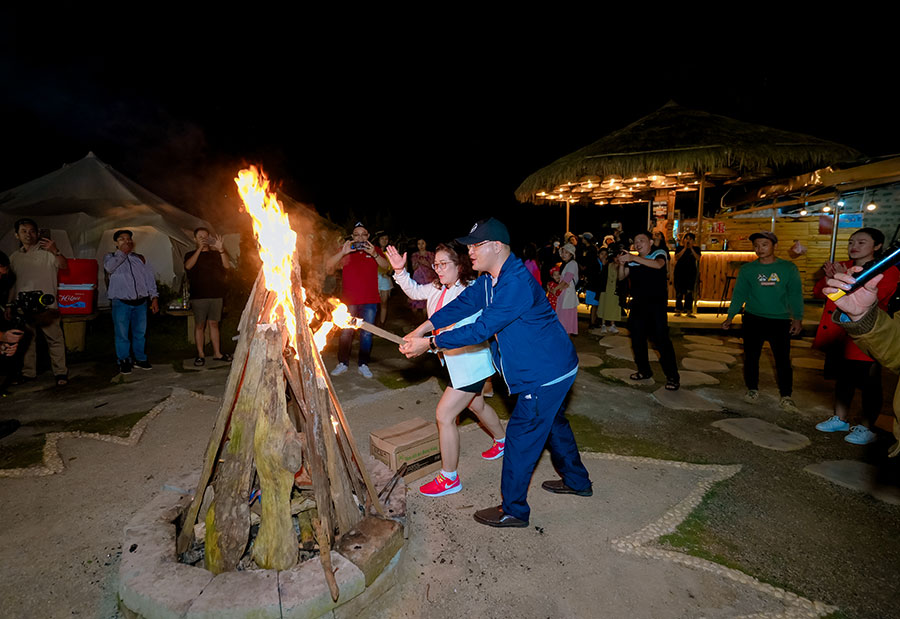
{"type": "Point", "coordinates": [623, 375]}
{"type": "Point", "coordinates": [619, 331]}
{"type": "Point", "coordinates": [615, 341]}
{"type": "Point", "coordinates": [712, 356]}
{"type": "Point", "coordinates": [808, 363]}
{"type": "Point", "coordinates": [734, 340]}
{"type": "Point", "coordinates": [626, 354]}
{"type": "Point", "coordinates": [371, 545]}
{"type": "Point", "coordinates": [703, 339]}
{"type": "Point", "coordinates": [166, 591]}
{"type": "Point", "coordinates": [164, 508]}
{"type": "Point", "coordinates": [728, 350]}
{"type": "Point", "coordinates": [305, 593]}
{"type": "Point", "coordinates": [388, 578]}
{"type": "Point", "coordinates": [801, 344]}
{"type": "Point", "coordinates": [762, 433]}
{"type": "Point", "coordinates": [703, 365]}
{"type": "Point", "coordinates": [587, 360]}
{"type": "Point", "coordinates": [145, 546]}
{"type": "Point", "coordinates": [690, 378]}
{"type": "Point", "coordinates": [683, 400]}
{"type": "Point", "coordinates": [233, 595]}
{"type": "Point", "coordinates": [857, 476]}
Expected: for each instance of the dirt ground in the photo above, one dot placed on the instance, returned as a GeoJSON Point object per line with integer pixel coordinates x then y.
{"type": "Point", "coordinates": [60, 538]}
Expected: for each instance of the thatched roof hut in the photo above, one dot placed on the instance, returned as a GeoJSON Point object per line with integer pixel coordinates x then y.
{"type": "Point", "coordinates": [682, 145]}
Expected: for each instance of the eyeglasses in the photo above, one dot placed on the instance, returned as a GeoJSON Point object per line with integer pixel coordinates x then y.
{"type": "Point", "coordinates": [477, 245]}
{"type": "Point", "coordinates": [440, 266]}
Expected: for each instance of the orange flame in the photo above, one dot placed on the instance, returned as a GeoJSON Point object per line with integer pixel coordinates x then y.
{"type": "Point", "coordinates": [277, 243]}
{"type": "Point", "coordinates": [341, 317]}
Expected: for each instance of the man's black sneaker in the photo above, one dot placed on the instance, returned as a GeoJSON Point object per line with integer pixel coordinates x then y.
{"type": "Point", "coordinates": [494, 517]}
{"type": "Point", "coordinates": [125, 366]}
{"type": "Point", "coordinates": [558, 486]}
{"type": "Point", "coordinates": [144, 365]}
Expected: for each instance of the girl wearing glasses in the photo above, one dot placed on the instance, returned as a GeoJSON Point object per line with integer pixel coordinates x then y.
{"type": "Point", "coordinates": [469, 367]}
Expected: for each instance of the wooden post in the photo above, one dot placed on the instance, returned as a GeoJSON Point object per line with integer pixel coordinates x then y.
{"type": "Point", "coordinates": [228, 518]}
{"type": "Point", "coordinates": [276, 446]}
{"type": "Point", "coordinates": [249, 318]}
{"type": "Point", "coordinates": [700, 214]}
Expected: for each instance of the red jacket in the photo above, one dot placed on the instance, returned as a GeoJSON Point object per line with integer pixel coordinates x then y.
{"type": "Point", "coordinates": [829, 333]}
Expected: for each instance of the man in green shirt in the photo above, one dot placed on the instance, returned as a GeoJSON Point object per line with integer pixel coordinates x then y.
{"type": "Point", "coordinates": [770, 292]}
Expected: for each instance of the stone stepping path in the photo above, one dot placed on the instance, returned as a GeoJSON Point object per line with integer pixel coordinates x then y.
{"type": "Point", "coordinates": [712, 356]}
{"type": "Point", "coordinates": [615, 341]}
{"type": "Point", "coordinates": [587, 360]}
{"type": "Point", "coordinates": [623, 374]}
{"type": "Point", "coordinates": [735, 340]}
{"type": "Point", "coordinates": [800, 344]}
{"type": "Point", "coordinates": [702, 339]}
{"type": "Point", "coordinates": [683, 400]}
{"type": "Point", "coordinates": [703, 365]}
{"type": "Point", "coordinates": [808, 363]}
{"type": "Point", "coordinates": [690, 378]}
{"type": "Point", "coordinates": [857, 476]}
{"type": "Point", "coordinates": [621, 331]}
{"type": "Point", "coordinates": [763, 434]}
{"type": "Point", "coordinates": [626, 354]}
{"type": "Point", "coordinates": [728, 350]}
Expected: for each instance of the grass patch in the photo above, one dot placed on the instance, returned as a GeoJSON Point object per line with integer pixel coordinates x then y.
{"type": "Point", "coordinates": [696, 537]}
{"type": "Point", "coordinates": [590, 437]}
{"type": "Point", "coordinates": [22, 454]}
{"type": "Point", "coordinates": [119, 425]}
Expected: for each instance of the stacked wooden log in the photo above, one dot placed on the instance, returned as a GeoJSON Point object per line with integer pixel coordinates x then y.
{"type": "Point", "coordinates": [279, 413]}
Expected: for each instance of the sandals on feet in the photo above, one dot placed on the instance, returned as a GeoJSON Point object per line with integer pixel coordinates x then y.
{"type": "Point", "coordinates": [672, 385]}
{"type": "Point", "coordinates": [62, 380]}
{"type": "Point", "coordinates": [224, 357]}
{"type": "Point", "coordinates": [199, 361]}
{"type": "Point", "coordinates": [639, 376]}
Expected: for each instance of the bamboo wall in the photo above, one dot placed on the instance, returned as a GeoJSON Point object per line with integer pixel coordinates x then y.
{"type": "Point", "coordinates": [715, 265]}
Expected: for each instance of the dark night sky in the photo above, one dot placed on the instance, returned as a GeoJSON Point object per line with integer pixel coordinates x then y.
{"type": "Point", "coordinates": [429, 130]}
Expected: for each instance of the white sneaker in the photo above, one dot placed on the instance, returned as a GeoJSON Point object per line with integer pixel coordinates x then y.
{"type": "Point", "coordinates": [604, 330]}
{"type": "Point", "coordinates": [365, 371]}
{"type": "Point", "coordinates": [860, 435]}
{"type": "Point", "coordinates": [752, 396]}
{"type": "Point", "coordinates": [788, 406]}
{"type": "Point", "coordinates": [339, 369]}
{"type": "Point", "coordinates": [613, 330]}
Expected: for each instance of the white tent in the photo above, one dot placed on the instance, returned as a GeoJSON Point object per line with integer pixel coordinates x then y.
{"type": "Point", "coordinates": [84, 202]}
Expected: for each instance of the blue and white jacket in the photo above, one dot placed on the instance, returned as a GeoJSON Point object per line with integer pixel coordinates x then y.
{"type": "Point", "coordinates": [529, 345]}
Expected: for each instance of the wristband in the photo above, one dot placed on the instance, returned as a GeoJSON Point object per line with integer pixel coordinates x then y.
{"type": "Point", "coordinates": [431, 344]}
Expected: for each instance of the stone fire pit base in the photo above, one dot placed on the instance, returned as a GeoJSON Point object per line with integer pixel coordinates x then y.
{"type": "Point", "coordinates": [153, 584]}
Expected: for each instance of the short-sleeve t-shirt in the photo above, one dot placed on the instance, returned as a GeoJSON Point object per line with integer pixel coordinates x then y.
{"type": "Point", "coordinates": [360, 278]}
{"type": "Point", "coordinates": [207, 278]}
{"type": "Point", "coordinates": [647, 283]}
{"type": "Point", "coordinates": [35, 270]}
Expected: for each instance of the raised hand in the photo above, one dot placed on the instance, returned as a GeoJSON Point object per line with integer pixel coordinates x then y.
{"type": "Point", "coordinates": [397, 261]}
{"type": "Point", "coordinates": [857, 303]}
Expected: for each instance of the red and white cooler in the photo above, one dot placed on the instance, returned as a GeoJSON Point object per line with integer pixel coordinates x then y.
{"type": "Point", "coordinates": [77, 289]}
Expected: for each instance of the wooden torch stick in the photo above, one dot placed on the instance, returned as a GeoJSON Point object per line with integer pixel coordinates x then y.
{"type": "Point", "coordinates": [365, 326]}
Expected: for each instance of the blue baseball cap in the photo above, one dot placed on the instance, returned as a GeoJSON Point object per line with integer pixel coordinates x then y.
{"type": "Point", "coordinates": [486, 230]}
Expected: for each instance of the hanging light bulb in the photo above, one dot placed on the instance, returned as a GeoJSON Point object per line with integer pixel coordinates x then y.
{"type": "Point", "coordinates": [827, 209]}
{"type": "Point", "coordinates": [871, 206]}
{"type": "Point", "coordinates": [803, 212]}
{"type": "Point", "coordinates": [840, 203]}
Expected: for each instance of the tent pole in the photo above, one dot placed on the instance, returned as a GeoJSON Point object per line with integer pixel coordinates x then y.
{"type": "Point", "coordinates": [700, 213]}
{"type": "Point", "coordinates": [567, 217]}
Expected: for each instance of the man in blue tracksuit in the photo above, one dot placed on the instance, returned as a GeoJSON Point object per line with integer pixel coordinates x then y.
{"type": "Point", "coordinates": [535, 356]}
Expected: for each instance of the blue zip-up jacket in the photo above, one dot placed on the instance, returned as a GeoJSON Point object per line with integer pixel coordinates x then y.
{"type": "Point", "coordinates": [530, 346]}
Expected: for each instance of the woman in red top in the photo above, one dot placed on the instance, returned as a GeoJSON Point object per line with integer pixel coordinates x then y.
{"type": "Point", "coordinates": [855, 370]}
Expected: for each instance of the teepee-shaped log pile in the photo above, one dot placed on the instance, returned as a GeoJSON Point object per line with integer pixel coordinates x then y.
{"type": "Point", "coordinates": [279, 413]}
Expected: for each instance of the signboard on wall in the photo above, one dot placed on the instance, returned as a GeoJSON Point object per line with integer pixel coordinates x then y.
{"type": "Point", "coordinates": [846, 220]}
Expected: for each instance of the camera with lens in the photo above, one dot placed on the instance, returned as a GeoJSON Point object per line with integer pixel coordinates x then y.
{"type": "Point", "coordinates": [361, 246]}
{"type": "Point", "coordinates": [28, 306]}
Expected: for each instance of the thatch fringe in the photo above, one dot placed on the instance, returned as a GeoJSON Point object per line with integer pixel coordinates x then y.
{"type": "Point", "coordinates": [677, 138]}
